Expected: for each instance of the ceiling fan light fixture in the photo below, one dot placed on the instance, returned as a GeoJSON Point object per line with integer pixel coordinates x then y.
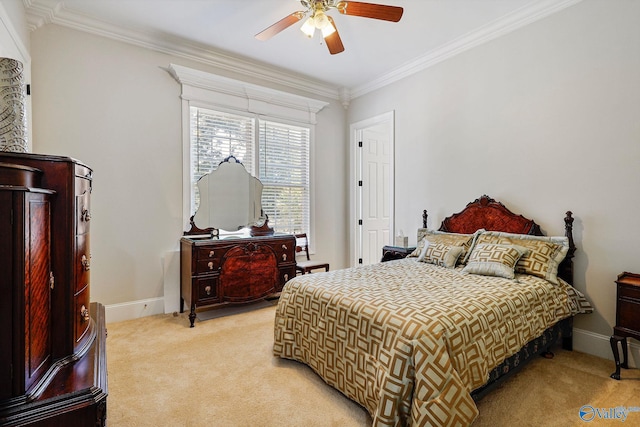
{"type": "Point", "coordinates": [328, 30]}
{"type": "Point", "coordinates": [320, 19]}
{"type": "Point", "coordinates": [308, 28]}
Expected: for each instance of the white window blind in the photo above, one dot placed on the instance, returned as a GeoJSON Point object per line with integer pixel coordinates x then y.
{"type": "Point", "coordinates": [283, 167]}
{"type": "Point", "coordinates": [214, 137]}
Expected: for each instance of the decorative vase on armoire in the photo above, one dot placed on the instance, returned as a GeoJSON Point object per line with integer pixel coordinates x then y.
{"type": "Point", "coordinates": [13, 118]}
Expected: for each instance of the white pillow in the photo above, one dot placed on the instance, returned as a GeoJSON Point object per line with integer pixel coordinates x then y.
{"type": "Point", "coordinates": [423, 252]}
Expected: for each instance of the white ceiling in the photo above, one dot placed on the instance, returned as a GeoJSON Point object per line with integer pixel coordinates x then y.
{"type": "Point", "coordinates": [375, 51]}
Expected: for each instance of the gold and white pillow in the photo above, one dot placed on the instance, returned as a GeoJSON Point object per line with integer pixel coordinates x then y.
{"type": "Point", "coordinates": [489, 259]}
{"type": "Point", "coordinates": [544, 256]}
{"type": "Point", "coordinates": [465, 241]}
{"type": "Point", "coordinates": [440, 254]}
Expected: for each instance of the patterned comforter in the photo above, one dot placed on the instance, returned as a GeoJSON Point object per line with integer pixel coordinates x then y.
{"type": "Point", "coordinates": [408, 340]}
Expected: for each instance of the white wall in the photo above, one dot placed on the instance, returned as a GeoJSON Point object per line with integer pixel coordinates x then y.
{"type": "Point", "coordinates": [114, 107]}
{"type": "Point", "coordinates": [14, 35]}
{"type": "Point", "coordinates": [545, 119]}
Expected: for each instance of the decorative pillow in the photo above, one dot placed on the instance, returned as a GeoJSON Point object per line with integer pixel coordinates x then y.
{"type": "Point", "coordinates": [466, 241]}
{"type": "Point", "coordinates": [545, 253]}
{"type": "Point", "coordinates": [425, 244]}
{"type": "Point", "coordinates": [441, 254]}
{"type": "Point", "coordinates": [494, 260]}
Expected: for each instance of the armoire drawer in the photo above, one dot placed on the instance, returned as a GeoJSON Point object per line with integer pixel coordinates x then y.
{"type": "Point", "coordinates": [82, 262]}
{"type": "Point", "coordinates": [82, 315]}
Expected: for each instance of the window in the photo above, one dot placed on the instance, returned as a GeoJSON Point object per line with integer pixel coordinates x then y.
{"type": "Point", "coordinates": [268, 130]}
{"type": "Point", "coordinates": [281, 161]}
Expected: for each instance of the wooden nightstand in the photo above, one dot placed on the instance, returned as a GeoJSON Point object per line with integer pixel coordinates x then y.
{"type": "Point", "coordinates": [395, 252]}
{"type": "Point", "coordinates": [627, 318]}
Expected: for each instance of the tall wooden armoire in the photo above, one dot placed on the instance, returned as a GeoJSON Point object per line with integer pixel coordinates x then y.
{"type": "Point", "coordinates": [54, 371]}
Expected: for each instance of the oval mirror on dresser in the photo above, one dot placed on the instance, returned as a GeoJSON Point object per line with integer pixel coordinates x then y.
{"type": "Point", "coordinates": [230, 198]}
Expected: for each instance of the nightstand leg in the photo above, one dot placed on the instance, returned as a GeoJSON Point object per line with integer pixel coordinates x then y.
{"type": "Point", "coordinates": [625, 354]}
{"type": "Point", "coordinates": [616, 355]}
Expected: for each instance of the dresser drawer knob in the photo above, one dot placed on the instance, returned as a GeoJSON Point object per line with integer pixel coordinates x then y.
{"type": "Point", "coordinates": [86, 264]}
{"type": "Point", "coordinates": [84, 314]}
{"type": "Point", "coordinates": [286, 277]}
{"type": "Point", "coordinates": [211, 253]}
{"type": "Point", "coordinates": [210, 265]}
{"type": "Point", "coordinates": [52, 280]}
{"type": "Point", "coordinates": [207, 290]}
{"type": "Point", "coordinates": [284, 257]}
{"type": "Point", "coordinates": [284, 247]}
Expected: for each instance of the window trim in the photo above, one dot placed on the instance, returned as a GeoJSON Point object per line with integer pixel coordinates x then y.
{"type": "Point", "coordinates": [207, 90]}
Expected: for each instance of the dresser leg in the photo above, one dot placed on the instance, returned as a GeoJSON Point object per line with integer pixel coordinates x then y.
{"type": "Point", "coordinates": [616, 355]}
{"type": "Point", "coordinates": [192, 315]}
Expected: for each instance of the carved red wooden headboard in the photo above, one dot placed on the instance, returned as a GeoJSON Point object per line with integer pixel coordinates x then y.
{"type": "Point", "coordinates": [492, 215]}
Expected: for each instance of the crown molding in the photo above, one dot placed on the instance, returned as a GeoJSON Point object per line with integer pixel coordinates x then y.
{"type": "Point", "coordinates": [246, 92]}
{"type": "Point", "coordinates": [508, 23]}
{"type": "Point", "coordinates": [39, 14]}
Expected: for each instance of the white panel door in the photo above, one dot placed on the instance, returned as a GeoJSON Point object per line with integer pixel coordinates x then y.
{"type": "Point", "coordinates": [375, 191]}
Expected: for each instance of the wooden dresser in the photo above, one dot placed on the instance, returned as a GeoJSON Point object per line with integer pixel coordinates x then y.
{"type": "Point", "coordinates": [230, 271]}
{"type": "Point", "coordinates": [627, 318]}
{"type": "Point", "coordinates": [53, 358]}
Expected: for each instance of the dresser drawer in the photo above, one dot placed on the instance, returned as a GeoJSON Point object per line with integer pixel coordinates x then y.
{"type": "Point", "coordinates": [629, 292]}
{"type": "Point", "coordinates": [285, 250]}
{"type": "Point", "coordinates": [208, 253]}
{"type": "Point", "coordinates": [206, 266]}
{"type": "Point", "coordinates": [206, 290]}
{"type": "Point", "coordinates": [208, 259]}
{"type": "Point", "coordinates": [286, 274]}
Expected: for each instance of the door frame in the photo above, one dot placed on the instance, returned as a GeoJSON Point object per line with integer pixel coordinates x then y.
{"type": "Point", "coordinates": [355, 131]}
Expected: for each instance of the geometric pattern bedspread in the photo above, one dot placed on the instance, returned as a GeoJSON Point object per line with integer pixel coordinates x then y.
{"type": "Point", "coordinates": [409, 340]}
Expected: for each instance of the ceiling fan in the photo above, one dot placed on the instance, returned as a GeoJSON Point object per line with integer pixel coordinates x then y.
{"type": "Point", "coordinates": [318, 19]}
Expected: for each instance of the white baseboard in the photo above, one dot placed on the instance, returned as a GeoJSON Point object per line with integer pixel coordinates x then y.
{"type": "Point", "coordinates": [134, 309]}
{"type": "Point", "coordinates": [598, 345]}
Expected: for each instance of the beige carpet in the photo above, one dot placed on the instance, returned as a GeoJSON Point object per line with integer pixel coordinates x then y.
{"type": "Point", "coordinates": [222, 373]}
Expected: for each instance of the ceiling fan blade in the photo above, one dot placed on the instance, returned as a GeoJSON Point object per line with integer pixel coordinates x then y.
{"type": "Point", "coordinates": [370, 10]}
{"type": "Point", "coordinates": [282, 24]}
{"type": "Point", "coordinates": [333, 41]}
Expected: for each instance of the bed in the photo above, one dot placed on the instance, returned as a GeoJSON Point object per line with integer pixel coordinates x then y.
{"type": "Point", "coordinates": [416, 340]}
